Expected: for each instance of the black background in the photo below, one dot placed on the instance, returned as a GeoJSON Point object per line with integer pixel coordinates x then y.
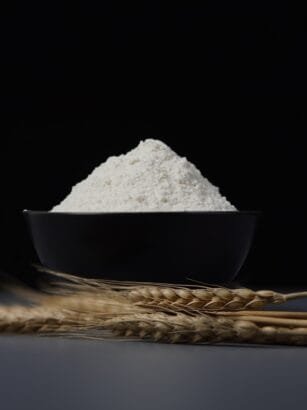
{"type": "Point", "coordinates": [223, 84]}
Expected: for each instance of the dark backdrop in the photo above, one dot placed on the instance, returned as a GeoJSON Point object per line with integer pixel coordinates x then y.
{"type": "Point", "coordinates": [220, 83]}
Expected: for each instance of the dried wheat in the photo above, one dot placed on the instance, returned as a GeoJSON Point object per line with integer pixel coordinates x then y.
{"type": "Point", "coordinates": [171, 297]}
{"type": "Point", "coordinates": [208, 299]}
{"type": "Point", "coordinates": [19, 319]}
{"type": "Point", "coordinates": [181, 328]}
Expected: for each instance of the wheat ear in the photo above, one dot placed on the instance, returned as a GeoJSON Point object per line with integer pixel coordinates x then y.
{"type": "Point", "coordinates": [179, 328]}
{"type": "Point", "coordinates": [20, 319]}
{"type": "Point", "coordinates": [171, 297]}
{"type": "Point", "coordinates": [203, 299]}
{"type": "Point", "coordinates": [182, 328]}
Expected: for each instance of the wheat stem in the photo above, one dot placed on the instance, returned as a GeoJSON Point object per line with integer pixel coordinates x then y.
{"type": "Point", "coordinates": [265, 313]}
{"type": "Point", "coordinates": [296, 295]}
{"type": "Point", "coordinates": [278, 321]}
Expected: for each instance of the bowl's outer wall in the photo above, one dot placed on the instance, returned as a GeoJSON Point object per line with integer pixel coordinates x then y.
{"type": "Point", "coordinates": [210, 247]}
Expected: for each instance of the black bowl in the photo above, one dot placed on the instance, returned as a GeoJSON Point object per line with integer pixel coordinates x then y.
{"type": "Point", "coordinates": [152, 246]}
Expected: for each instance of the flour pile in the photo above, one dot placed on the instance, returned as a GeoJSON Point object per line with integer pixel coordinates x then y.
{"type": "Point", "coordinates": [151, 177]}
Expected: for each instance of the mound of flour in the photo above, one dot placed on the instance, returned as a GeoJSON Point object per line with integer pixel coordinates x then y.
{"type": "Point", "coordinates": [151, 177]}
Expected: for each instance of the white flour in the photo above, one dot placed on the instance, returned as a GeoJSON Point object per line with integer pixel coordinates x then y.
{"type": "Point", "coordinates": [151, 177]}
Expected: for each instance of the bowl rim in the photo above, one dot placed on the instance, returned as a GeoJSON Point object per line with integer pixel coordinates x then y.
{"type": "Point", "coordinates": [87, 214]}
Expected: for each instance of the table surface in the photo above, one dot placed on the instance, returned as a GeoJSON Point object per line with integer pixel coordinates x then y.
{"type": "Point", "coordinates": [55, 373]}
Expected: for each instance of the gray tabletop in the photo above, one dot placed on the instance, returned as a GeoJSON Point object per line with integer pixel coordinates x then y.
{"type": "Point", "coordinates": [53, 373]}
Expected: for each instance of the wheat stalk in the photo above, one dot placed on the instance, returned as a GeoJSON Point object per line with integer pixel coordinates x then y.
{"type": "Point", "coordinates": [171, 297]}
{"type": "Point", "coordinates": [174, 298]}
